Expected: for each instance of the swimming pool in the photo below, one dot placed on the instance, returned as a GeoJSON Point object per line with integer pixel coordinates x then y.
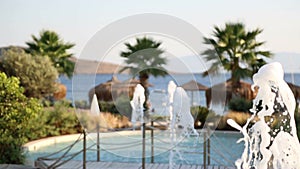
{"type": "Point", "coordinates": [127, 146]}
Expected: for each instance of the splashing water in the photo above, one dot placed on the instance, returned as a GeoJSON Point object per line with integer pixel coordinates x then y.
{"type": "Point", "coordinates": [270, 133]}
{"type": "Point", "coordinates": [181, 112]}
{"type": "Point", "coordinates": [171, 89]}
{"type": "Point", "coordinates": [137, 105]}
{"type": "Point", "coordinates": [181, 118]}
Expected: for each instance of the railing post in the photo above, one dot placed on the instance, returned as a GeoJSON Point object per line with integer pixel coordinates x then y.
{"type": "Point", "coordinates": [84, 149]}
{"type": "Point", "coordinates": [144, 145]}
{"type": "Point", "coordinates": [208, 146]}
{"type": "Point", "coordinates": [152, 142]}
{"type": "Point", "coordinates": [204, 149]}
{"type": "Point", "coordinates": [98, 142]}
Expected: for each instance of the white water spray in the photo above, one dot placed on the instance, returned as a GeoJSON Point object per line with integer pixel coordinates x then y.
{"type": "Point", "coordinates": [137, 105]}
{"type": "Point", "coordinates": [180, 117]}
{"type": "Point", "coordinates": [271, 142]}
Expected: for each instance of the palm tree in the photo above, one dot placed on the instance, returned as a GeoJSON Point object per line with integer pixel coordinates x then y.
{"type": "Point", "coordinates": [144, 59]}
{"type": "Point", "coordinates": [236, 50]}
{"type": "Point", "coordinates": [50, 44]}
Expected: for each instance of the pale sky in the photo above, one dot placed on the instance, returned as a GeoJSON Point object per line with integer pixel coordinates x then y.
{"type": "Point", "coordinates": [77, 21]}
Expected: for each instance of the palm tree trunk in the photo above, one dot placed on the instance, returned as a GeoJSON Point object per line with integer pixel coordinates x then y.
{"type": "Point", "coordinates": [235, 80]}
{"type": "Point", "coordinates": [144, 77]}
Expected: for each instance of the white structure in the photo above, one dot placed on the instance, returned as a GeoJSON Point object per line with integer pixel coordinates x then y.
{"type": "Point", "coordinates": [271, 142]}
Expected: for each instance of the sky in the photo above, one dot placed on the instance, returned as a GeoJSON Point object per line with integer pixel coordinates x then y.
{"type": "Point", "coordinates": [78, 21]}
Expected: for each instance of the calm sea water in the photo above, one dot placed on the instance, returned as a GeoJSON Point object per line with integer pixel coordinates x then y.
{"type": "Point", "coordinates": [80, 84]}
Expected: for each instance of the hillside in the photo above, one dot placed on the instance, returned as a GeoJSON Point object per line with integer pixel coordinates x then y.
{"type": "Point", "coordinates": [89, 67]}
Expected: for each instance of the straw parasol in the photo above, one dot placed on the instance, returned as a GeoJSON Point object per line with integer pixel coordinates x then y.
{"type": "Point", "coordinates": [243, 91]}
{"type": "Point", "coordinates": [103, 90]}
{"type": "Point", "coordinates": [296, 91]}
{"type": "Point", "coordinates": [114, 88]}
{"type": "Point", "coordinates": [226, 90]}
{"type": "Point", "coordinates": [193, 86]}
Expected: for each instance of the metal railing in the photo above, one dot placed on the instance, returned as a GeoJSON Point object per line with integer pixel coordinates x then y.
{"type": "Point", "coordinates": [206, 147]}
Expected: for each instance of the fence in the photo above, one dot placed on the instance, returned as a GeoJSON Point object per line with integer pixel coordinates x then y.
{"type": "Point", "coordinates": [203, 149]}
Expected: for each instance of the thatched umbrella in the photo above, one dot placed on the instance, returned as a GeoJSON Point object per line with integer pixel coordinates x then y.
{"type": "Point", "coordinates": [243, 91]}
{"type": "Point", "coordinates": [296, 91]}
{"type": "Point", "coordinates": [193, 86]}
{"type": "Point", "coordinates": [103, 90]}
{"type": "Point", "coordinates": [113, 88]}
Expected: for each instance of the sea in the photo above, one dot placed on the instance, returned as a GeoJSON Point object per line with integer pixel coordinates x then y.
{"type": "Point", "coordinates": [79, 85]}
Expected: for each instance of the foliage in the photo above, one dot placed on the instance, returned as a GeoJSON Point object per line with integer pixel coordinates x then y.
{"type": "Point", "coordinates": [57, 120]}
{"type": "Point", "coordinates": [236, 50]}
{"type": "Point", "coordinates": [36, 74]}
{"type": "Point", "coordinates": [108, 107]}
{"type": "Point", "coordinates": [200, 114]}
{"type": "Point", "coordinates": [144, 58]}
{"type": "Point", "coordinates": [123, 106]}
{"type": "Point", "coordinates": [81, 104]}
{"type": "Point", "coordinates": [240, 104]}
{"type": "Point", "coordinates": [50, 44]}
{"type": "Point", "coordinates": [120, 106]}
{"type": "Point", "coordinates": [239, 117]}
{"type": "Point", "coordinates": [16, 110]}
{"type": "Point", "coordinates": [60, 119]}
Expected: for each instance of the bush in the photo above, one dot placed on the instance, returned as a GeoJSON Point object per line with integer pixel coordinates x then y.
{"type": "Point", "coordinates": [37, 74]}
{"type": "Point", "coordinates": [58, 120]}
{"type": "Point", "coordinates": [120, 106]}
{"type": "Point", "coordinates": [16, 110]}
{"type": "Point", "coordinates": [239, 117]}
{"type": "Point", "coordinates": [82, 104]}
{"type": "Point", "coordinates": [240, 105]}
{"type": "Point", "coordinates": [200, 114]}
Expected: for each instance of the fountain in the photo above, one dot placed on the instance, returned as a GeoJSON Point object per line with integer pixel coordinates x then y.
{"type": "Point", "coordinates": [270, 133]}
{"type": "Point", "coordinates": [171, 89]}
{"type": "Point", "coordinates": [137, 105]}
{"type": "Point", "coordinates": [177, 107]}
{"type": "Point", "coordinates": [180, 117]}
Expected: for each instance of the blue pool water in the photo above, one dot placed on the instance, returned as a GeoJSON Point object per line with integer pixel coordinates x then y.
{"type": "Point", "coordinates": [128, 148]}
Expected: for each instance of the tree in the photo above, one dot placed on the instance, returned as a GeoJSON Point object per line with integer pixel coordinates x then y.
{"type": "Point", "coordinates": [16, 110]}
{"type": "Point", "coordinates": [37, 74]}
{"type": "Point", "coordinates": [50, 44]}
{"type": "Point", "coordinates": [238, 51]}
{"type": "Point", "coordinates": [144, 59]}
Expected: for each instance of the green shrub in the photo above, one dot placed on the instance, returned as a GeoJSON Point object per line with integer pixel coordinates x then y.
{"type": "Point", "coordinates": [108, 107]}
{"type": "Point", "coordinates": [16, 112]}
{"type": "Point", "coordinates": [37, 74]}
{"type": "Point", "coordinates": [123, 106]}
{"type": "Point", "coordinates": [240, 105]}
{"type": "Point", "coordinates": [82, 104]}
{"type": "Point", "coordinates": [200, 114]}
{"type": "Point", "coordinates": [120, 106]}
{"type": "Point", "coordinates": [61, 119]}
{"type": "Point", "coordinates": [57, 120]}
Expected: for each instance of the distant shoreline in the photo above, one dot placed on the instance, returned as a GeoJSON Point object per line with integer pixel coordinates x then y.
{"type": "Point", "coordinates": [96, 67]}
